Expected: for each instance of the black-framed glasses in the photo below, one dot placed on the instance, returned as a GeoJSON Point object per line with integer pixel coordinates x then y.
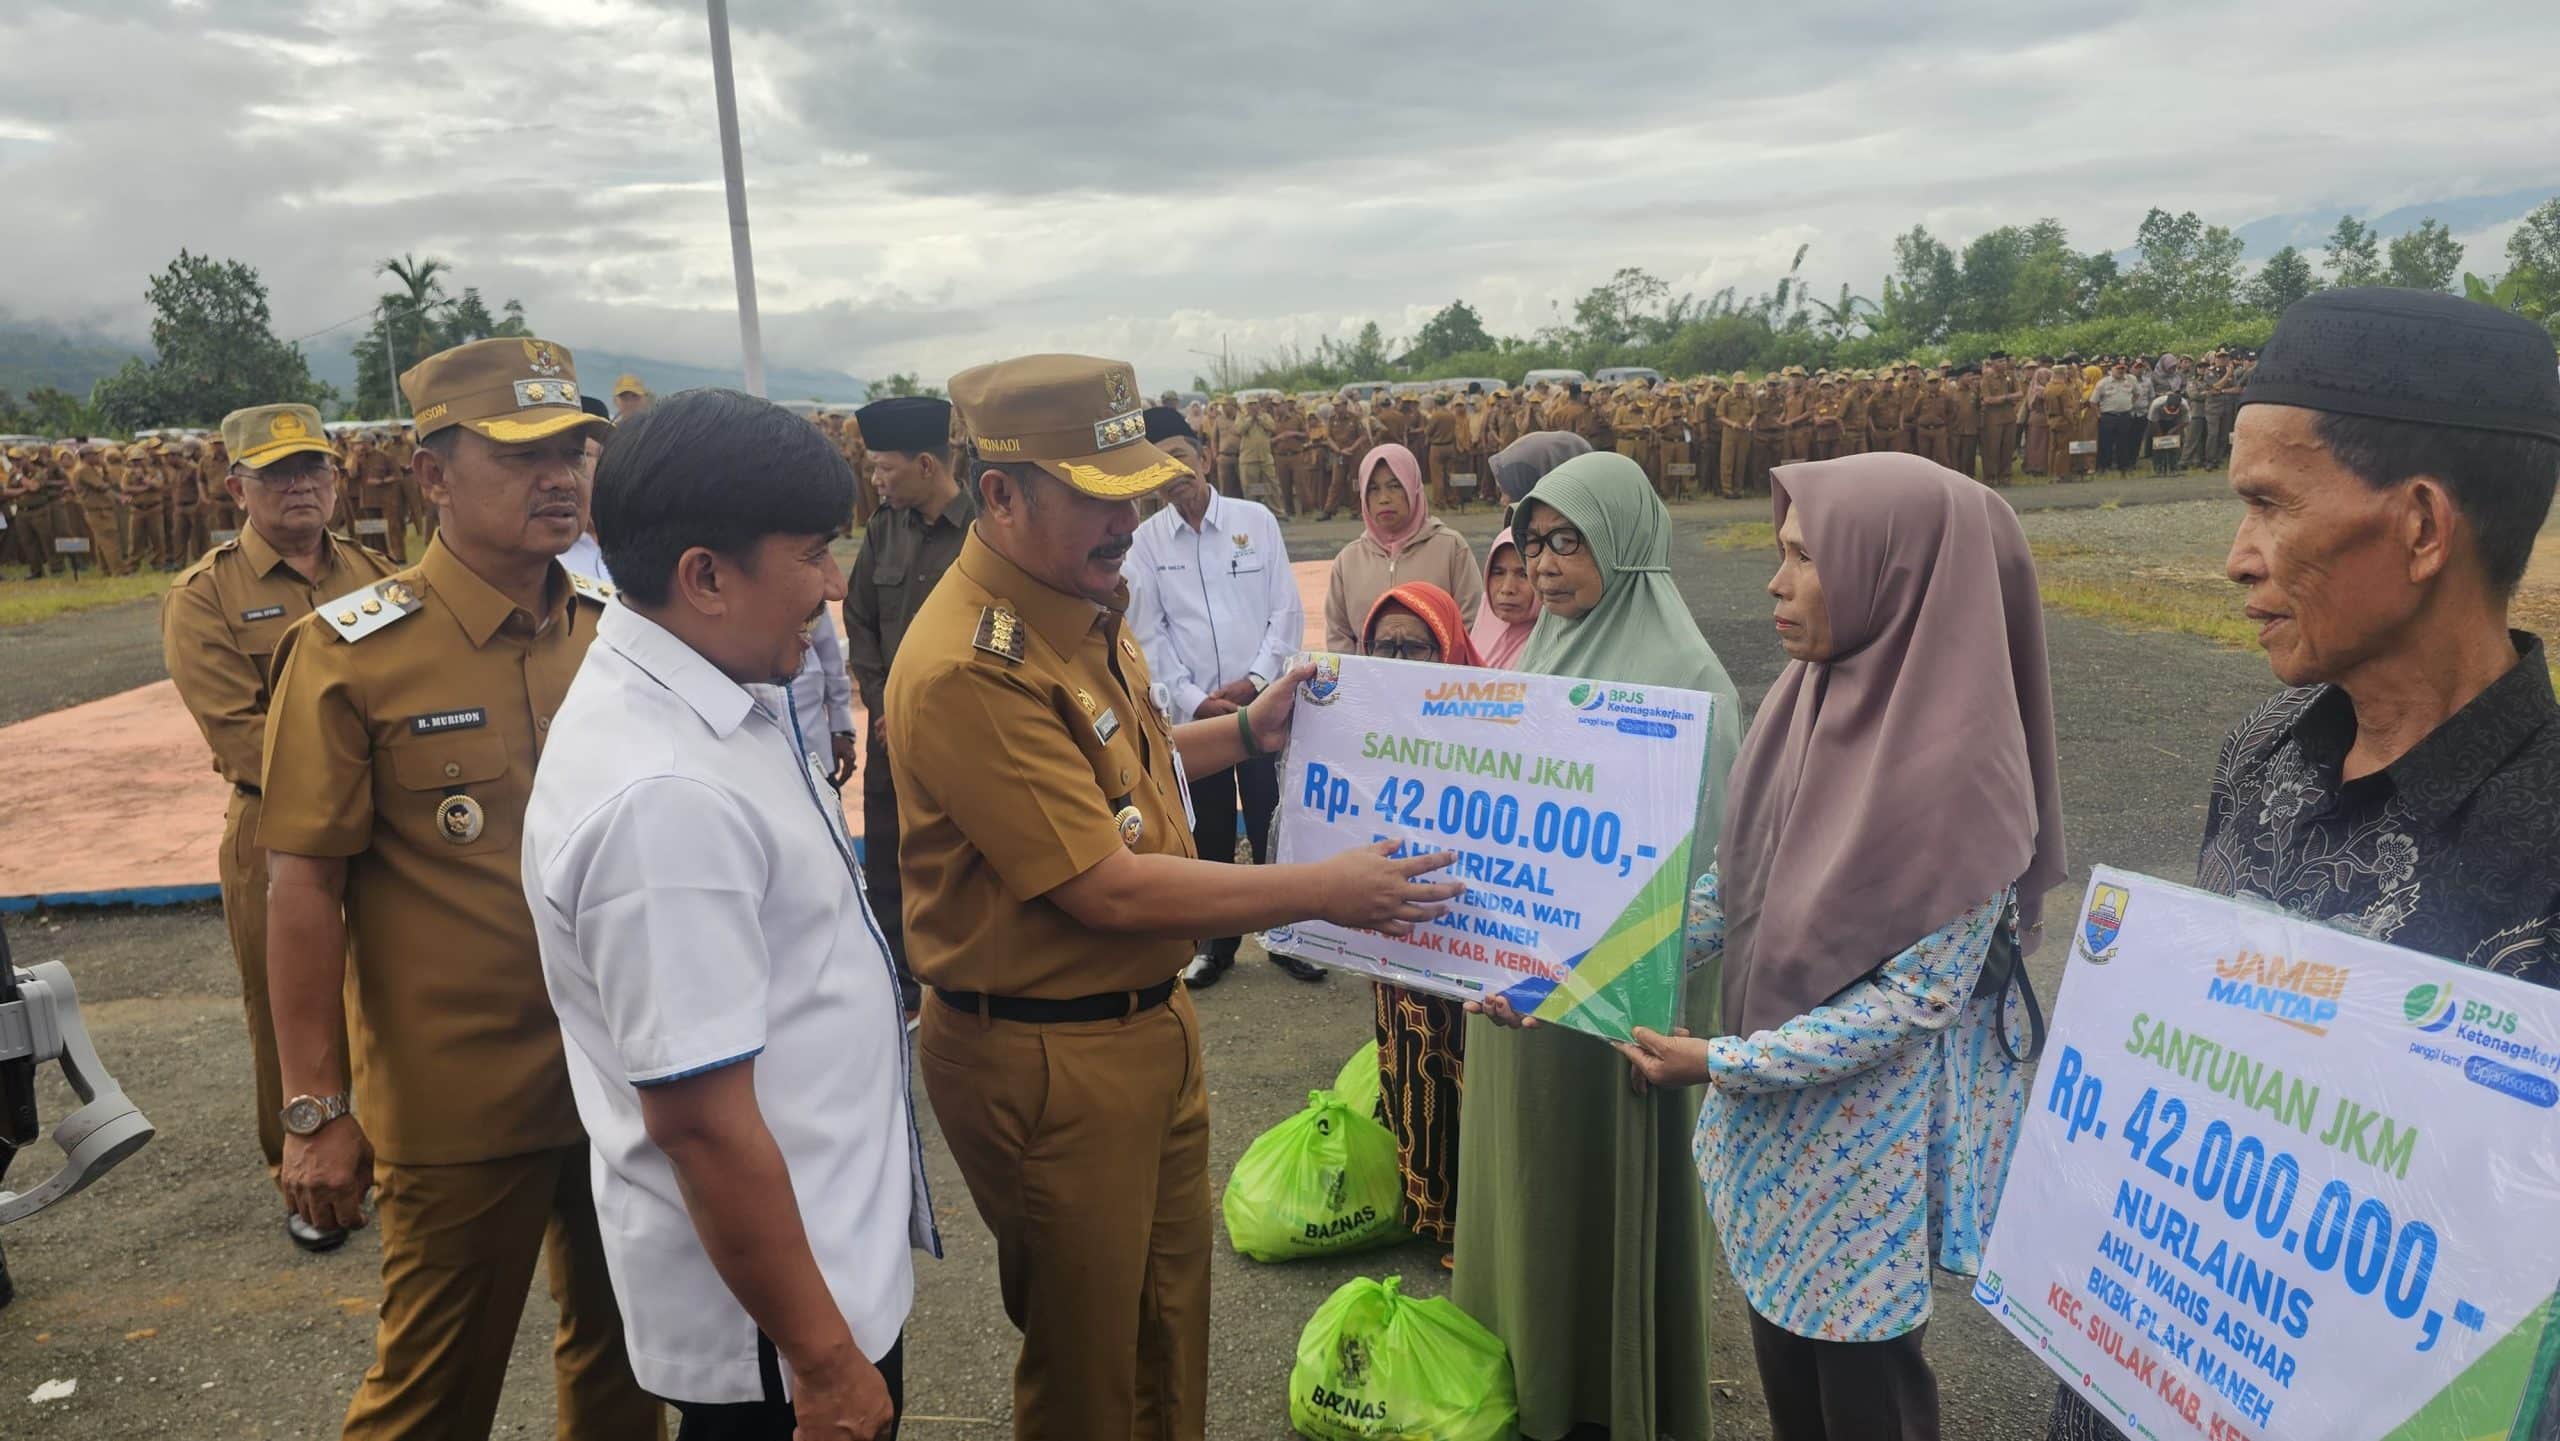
{"type": "Point", "coordinates": [1394, 649]}
{"type": "Point", "coordinates": [1564, 540]}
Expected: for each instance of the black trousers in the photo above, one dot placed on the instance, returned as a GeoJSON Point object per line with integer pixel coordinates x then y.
{"type": "Point", "coordinates": [1213, 810]}
{"type": "Point", "coordinates": [772, 1419]}
{"type": "Point", "coordinates": [880, 864]}
{"type": "Point", "coordinates": [1845, 1390]}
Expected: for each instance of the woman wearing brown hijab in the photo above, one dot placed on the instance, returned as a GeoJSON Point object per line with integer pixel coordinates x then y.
{"type": "Point", "coordinates": [1894, 821]}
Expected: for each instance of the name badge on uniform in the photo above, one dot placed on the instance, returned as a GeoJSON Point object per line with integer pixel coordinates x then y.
{"type": "Point", "coordinates": [467, 718]}
{"type": "Point", "coordinates": [1106, 725]}
{"type": "Point", "coordinates": [264, 612]}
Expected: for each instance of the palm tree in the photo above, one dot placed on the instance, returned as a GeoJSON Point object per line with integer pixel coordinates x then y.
{"type": "Point", "coordinates": [1846, 314]}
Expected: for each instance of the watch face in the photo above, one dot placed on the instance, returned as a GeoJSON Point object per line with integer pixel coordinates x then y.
{"type": "Point", "coordinates": [302, 1116]}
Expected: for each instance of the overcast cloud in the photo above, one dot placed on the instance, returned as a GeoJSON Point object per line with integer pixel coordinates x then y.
{"type": "Point", "coordinates": [938, 182]}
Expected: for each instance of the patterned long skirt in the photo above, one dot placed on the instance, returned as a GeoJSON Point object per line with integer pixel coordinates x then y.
{"type": "Point", "coordinates": [1421, 1048]}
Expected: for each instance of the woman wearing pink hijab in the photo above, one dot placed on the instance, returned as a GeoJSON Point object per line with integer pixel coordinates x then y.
{"type": "Point", "coordinates": [1510, 607]}
{"type": "Point", "coordinates": [1892, 826]}
{"type": "Point", "coordinates": [1400, 541]}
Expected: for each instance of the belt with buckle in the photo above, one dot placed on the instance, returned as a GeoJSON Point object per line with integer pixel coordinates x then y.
{"type": "Point", "coordinates": [1034, 1010]}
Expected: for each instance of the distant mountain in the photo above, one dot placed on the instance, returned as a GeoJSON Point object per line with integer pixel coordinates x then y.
{"type": "Point", "coordinates": [598, 369]}
{"type": "Point", "coordinates": [2308, 230]}
{"type": "Point", "coordinates": [36, 355]}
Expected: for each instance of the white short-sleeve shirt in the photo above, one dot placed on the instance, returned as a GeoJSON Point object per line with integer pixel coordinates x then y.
{"type": "Point", "coordinates": [694, 892]}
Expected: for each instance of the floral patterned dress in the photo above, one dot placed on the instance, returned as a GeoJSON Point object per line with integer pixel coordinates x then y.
{"type": "Point", "coordinates": [1849, 1151]}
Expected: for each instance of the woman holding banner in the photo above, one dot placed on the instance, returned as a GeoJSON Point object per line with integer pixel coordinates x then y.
{"type": "Point", "coordinates": [1581, 1243]}
{"type": "Point", "coordinates": [1400, 540]}
{"type": "Point", "coordinates": [1421, 1038]}
{"type": "Point", "coordinates": [1895, 821]}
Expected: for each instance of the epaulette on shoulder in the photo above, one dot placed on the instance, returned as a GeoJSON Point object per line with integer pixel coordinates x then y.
{"type": "Point", "coordinates": [203, 563]}
{"type": "Point", "coordinates": [999, 633]}
{"type": "Point", "coordinates": [359, 613]}
{"type": "Point", "coordinates": [592, 588]}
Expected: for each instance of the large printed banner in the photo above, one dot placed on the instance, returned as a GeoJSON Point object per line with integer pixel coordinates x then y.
{"type": "Point", "coordinates": [1569, 803]}
{"type": "Point", "coordinates": [2280, 1181]}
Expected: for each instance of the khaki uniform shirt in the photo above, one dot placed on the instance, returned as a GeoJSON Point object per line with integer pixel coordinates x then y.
{"type": "Point", "coordinates": [372, 747]}
{"type": "Point", "coordinates": [1010, 773]}
{"type": "Point", "coordinates": [220, 625]}
{"type": "Point", "coordinates": [903, 557]}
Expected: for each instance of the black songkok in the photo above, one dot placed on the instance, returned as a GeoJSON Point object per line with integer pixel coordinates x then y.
{"type": "Point", "coordinates": [2414, 355]}
{"type": "Point", "coordinates": [1164, 423]}
{"type": "Point", "coordinates": [907, 424]}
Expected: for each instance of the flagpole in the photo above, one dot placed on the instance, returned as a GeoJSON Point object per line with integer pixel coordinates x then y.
{"type": "Point", "coordinates": [742, 254]}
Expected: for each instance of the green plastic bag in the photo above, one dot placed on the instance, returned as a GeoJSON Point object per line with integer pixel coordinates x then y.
{"type": "Point", "coordinates": [1374, 1365]}
{"type": "Point", "coordinates": [1357, 1083]}
{"type": "Point", "coordinates": [1320, 1183]}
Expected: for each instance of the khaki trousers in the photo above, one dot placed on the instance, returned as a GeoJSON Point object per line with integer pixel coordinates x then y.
{"type": "Point", "coordinates": [1999, 449]}
{"type": "Point", "coordinates": [1729, 465]}
{"type": "Point", "coordinates": [385, 503]}
{"type": "Point", "coordinates": [1086, 1149]}
{"type": "Point", "coordinates": [106, 539]}
{"type": "Point", "coordinates": [458, 1251]}
{"type": "Point", "coordinates": [243, 870]}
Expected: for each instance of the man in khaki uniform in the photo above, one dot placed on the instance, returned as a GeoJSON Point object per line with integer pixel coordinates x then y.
{"type": "Point", "coordinates": [1965, 391]}
{"type": "Point", "coordinates": [220, 626]}
{"type": "Point", "coordinates": [97, 480]}
{"type": "Point", "coordinates": [1257, 471]}
{"type": "Point", "coordinates": [146, 497]}
{"type": "Point", "coordinates": [381, 498]}
{"type": "Point", "coordinates": [401, 742]}
{"type": "Point", "coordinates": [1933, 418]}
{"type": "Point", "coordinates": [1289, 455]}
{"type": "Point", "coordinates": [2002, 390]}
{"type": "Point", "coordinates": [1050, 888]}
{"type": "Point", "coordinates": [630, 397]}
{"type": "Point", "coordinates": [1346, 439]}
{"type": "Point", "coordinates": [1230, 434]}
{"type": "Point", "coordinates": [191, 506]}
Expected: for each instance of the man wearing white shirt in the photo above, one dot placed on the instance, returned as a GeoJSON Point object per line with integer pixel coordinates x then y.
{"type": "Point", "coordinates": [1216, 608]}
{"type": "Point", "coordinates": [733, 1030]}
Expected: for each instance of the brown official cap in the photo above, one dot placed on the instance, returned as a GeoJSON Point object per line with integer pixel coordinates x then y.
{"type": "Point", "coordinates": [511, 389]}
{"type": "Point", "coordinates": [1078, 417]}
{"type": "Point", "coordinates": [629, 385]}
{"type": "Point", "coordinates": [264, 434]}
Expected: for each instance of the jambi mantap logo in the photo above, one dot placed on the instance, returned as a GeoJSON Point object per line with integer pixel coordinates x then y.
{"type": "Point", "coordinates": [2430, 1006]}
{"type": "Point", "coordinates": [1325, 686]}
{"type": "Point", "coordinates": [2104, 923]}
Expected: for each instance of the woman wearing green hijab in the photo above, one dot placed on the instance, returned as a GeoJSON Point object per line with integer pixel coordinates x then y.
{"type": "Point", "coordinates": [1581, 1241]}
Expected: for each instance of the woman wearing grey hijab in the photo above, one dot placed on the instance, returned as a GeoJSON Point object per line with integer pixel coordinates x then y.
{"type": "Point", "coordinates": [1893, 823]}
{"type": "Point", "coordinates": [1526, 461]}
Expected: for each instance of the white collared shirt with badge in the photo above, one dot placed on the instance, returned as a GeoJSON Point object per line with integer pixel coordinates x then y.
{"type": "Point", "coordinates": [1214, 605]}
{"type": "Point", "coordinates": [695, 895]}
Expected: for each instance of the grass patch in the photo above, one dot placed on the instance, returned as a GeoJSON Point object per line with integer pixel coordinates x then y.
{"type": "Point", "coordinates": [1744, 535]}
{"type": "Point", "coordinates": [2138, 605]}
{"type": "Point", "coordinates": [24, 601]}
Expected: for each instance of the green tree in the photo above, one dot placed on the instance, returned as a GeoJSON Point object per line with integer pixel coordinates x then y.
{"type": "Point", "coordinates": [2186, 268]}
{"type": "Point", "coordinates": [2285, 278]}
{"type": "Point", "coordinates": [1920, 296]}
{"type": "Point", "coordinates": [1987, 279]}
{"type": "Point", "coordinates": [1458, 327]}
{"type": "Point", "coordinates": [1366, 357]}
{"type": "Point", "coordinates": [903, 383]}
{"type": "Point", "coordinates": [2354, 253]}
{"type": "Point", "coordinates": [2427, 258]}
{"type": "Point", "coordinates": [1607, 315]}
{"type": "Point", "coordinates": [214, 351]}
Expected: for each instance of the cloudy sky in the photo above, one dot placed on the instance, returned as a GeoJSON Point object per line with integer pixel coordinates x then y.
{"type": "Point", "coordinates": [937, 182]}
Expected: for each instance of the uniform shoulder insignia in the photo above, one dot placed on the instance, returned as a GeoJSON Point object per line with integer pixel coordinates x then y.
{"type": "Point", "coordinates": [592, 588]}
{"type": "Point", "coordinates": [999, 632]}
{"type": "Point", "coordinates": [360, 613]}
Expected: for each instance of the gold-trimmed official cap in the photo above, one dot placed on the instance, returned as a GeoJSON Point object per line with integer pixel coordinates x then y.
{"type": "Point", "coordinates": [261, 435]}
{"type": "Point", "coordinates": [511, 389]}
{"type": "Point", "coordinates": [1078, 417]}
{"type": "Point", "coordinates": [629, 385]}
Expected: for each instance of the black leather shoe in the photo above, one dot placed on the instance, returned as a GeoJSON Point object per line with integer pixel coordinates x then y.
{"type": "Point", "coordinates": [311, 1238]}
{"type": "Point", "coordinates": [1299, 970]}
{"type": "Point", "coordinates": [1205, 971]}
{"type": "Point", "coordinates": [8, 1288]}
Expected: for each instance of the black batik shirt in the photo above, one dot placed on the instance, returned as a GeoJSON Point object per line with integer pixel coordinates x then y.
{"type": "Point", "coordinates": [2453, 849]}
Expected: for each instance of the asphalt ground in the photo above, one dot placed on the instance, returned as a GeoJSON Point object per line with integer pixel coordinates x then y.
{"type": "Point", "coordinates": [170, 1295]}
